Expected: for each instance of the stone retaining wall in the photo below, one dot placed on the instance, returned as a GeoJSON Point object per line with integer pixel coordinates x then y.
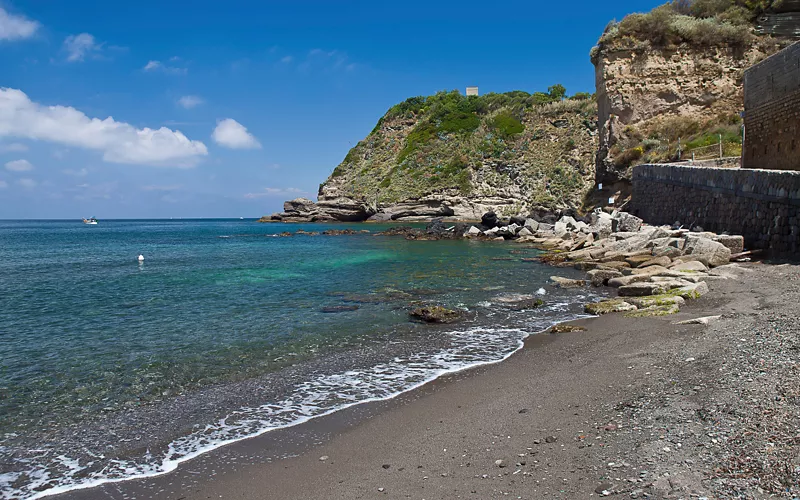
{"type": "Point", "coordinates": [761, 205]}
{"type": "Point", "coordinates": [772, 112]}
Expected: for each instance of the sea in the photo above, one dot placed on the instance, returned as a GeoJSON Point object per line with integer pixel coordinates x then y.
{"type": "Point", "coordinates": [113, 368]}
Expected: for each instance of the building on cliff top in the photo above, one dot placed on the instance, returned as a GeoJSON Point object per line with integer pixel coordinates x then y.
{"type": "Point", "coordinates": [772, 112]}
{"type": "Point", "coordinates": [472, 90]}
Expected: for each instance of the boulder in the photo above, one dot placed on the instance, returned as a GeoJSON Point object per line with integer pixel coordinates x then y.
{"type": "Point", "coordinates": [489, 220]}
{"type": "Point", "coordinates": [638, 260]}
{"type": "Point", "coordinates": [524, 232]}
{"type": "Point", "coordinates": [718, 254]}
{"type": "Point", "coordinates": [662, 261]}
{"type": "Point", "coordinates": [649, 271]}
{"type": "Point", "coordinates": [518, 220]}
{"type": "Point", "coordinates": [622, 281]}
{"type": "Point", "coordinates": [655, 300]}
{"type": "Point", "coordinates": [690, 266]}
{"type": "Point", "coordinates": [670, 252]}
{"type": "Point", "coordinates": [608, 306]}
{"type": "Point", "coordinates": [617, 265]}
{"type": "Point", "coordinates": [642, 289]}
{"type": "Point", "coordinates": [734, 243]}
{"type": "Point", "coordinates": [473, 231]}
{"type": "Point", "coordinates": [627, 222]}
{"type": "Point", "coordinates": [531, 225]}
{"type": "Point", "coordinates": [654, 311]}
{"type": "Point", "coordinates": [692, 291]}
{"type": "Point", "coordinates": [566, 282]}
{"type": "Point", "coordinates": [600, 277]}
{"type": "Point", "coordinates": [435, 314]}
{"type": "Point", "coordinates": [545, 228]}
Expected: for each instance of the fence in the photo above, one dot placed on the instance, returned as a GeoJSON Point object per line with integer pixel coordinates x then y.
{"type": "Point", "coordinates": [720, 149]}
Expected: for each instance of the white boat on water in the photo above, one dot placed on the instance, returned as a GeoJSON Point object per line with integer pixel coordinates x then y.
{"type": "Point", "coordinates": [91, 221]}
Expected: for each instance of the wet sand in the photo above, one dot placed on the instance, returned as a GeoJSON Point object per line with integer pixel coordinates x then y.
{"type": "Point", "coordinates": [572, 415]}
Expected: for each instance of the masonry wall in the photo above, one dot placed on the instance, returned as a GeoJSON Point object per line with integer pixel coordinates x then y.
{"type": "Point", "coordinates": [772, 112]}
{"type": "Point", "coordinates": [761, 205]}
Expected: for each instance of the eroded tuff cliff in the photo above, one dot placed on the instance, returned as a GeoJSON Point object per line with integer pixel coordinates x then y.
{"type": "Point", "coordinates": [669, 83]}
{"type": "Point", "coordinates": [458, 156]}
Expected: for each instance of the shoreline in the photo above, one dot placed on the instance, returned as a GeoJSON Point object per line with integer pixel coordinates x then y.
{"type": "Point", "coordinates": [550, 374]}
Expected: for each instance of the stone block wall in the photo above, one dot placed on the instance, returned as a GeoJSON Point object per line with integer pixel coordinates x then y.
{"type": "Point", "coordinates": [772, 112]}
{"type": "Point", "coordinates": [761, 205]}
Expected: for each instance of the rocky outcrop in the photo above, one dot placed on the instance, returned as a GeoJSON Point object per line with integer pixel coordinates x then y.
{"type": "Point", "coordinates": [336, 210]}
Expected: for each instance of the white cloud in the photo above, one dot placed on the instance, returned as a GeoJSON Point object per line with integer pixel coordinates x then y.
{"type": "Point", "coordinates": [287, 59]}
{"type": "Point", "coordinates": [3, 184]}
{"type": "Point", "coordinates": [79, 46]}
{"type": "Point", "coordinates": [275, 192]}
{"type": "Point", "coordinates": [190, 101]}
{"type": "Point", "coordinates": [77, 173]}
{"type": "Point", "coordinates": [119, 142]}
{"type": "Point", "coordinates": [153, 66]}
{"type": "Point", "coordinates": [19, 166]}
{"type": "Point", "coordinates": [27, 183]}
{"type": "Point", "coordinates": [13, 147]}
{"type": "Point", "coordinates": [232, 134]}
{"type": "Point", "coordinates": [16, 27]}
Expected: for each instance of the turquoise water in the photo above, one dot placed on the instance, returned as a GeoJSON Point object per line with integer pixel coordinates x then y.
{"type": "Point", "coordinates": [88, 334]}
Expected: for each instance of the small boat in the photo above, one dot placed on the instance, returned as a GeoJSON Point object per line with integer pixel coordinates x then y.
{"type": "Point", "coordinates": [91, 221]}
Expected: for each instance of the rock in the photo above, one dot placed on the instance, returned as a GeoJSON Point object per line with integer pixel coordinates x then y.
{"type": "Point", "coordinates": [662, 261]}
{"type": "Point", "coordinates": [500, 463]}
{"type": "Point", "coordinates": [627, 222]}
{"type": "Point", "coordinates": [638, 260]}
{"type": "Point", "coordinates": [565, 329]}
{"type": "Point", "coordinates": [615, 265]}
{"type": "Point", "coordinates": [524, 232]}
{"type": "Point", "coordinates": [654, 311]}
{"type": "Point", "coordinates": [699, 321]}
{"type": "Point", "coordinates": [656, 300]}
{"type": "Point", "coordinates": [489, 220]}
{"type": "Point", "coordinates": [691, 266]}
{"type": "Point", "coordinates": [473, 231]}
{"type": "Point", "coordinates": [435, 314]}
{"type": "Point", "coordinates": [734, 243]}
{"type": "Point", "coordinates": [649, 270]}
{"type": "Point", "coordinates": [545, 228]}
{"type": "Point", "coordinates": [566, 282]}
{"type": "Point", "coordinates": [531, 225]}
{"type": "Point", "coordinates": [692, 291]}
{"type": "Point", "coordinates": [518, 220]}
{"type": "Point", "coordinates": [323, 458]}
{"type": "Point", "coordinates": [600, 277]}
{"type": "Point", "coordinates": [603, 488]}
{"type": "Point", "coordinates": [550, 439]}
{"type": "Point", "coordinates": [621, 281]}
{"type": "Point", "coordinates": [718, 253]}
{"type": "Point", "coordinates": [642, 289]}
{"type": "Point", "coordinates": [609, 306]}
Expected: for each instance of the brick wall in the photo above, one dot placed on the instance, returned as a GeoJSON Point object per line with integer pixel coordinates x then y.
{"type": "Point", "coordinates": [761, 205]}
{"type": "Point", "coordinates": [772, 112]}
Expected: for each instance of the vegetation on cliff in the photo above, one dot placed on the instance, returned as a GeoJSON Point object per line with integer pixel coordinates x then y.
{"type": "Point", "coordinates": [536, 148]}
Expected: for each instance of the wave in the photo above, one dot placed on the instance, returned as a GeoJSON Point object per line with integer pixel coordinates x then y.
{"type": "Point", "coordinates": [50, 474]}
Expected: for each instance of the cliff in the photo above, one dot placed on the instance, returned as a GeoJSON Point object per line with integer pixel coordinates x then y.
{"type": "Point", "coordinates": [669, 82]}
{"type": "Point", "coordinates": [458, 156]}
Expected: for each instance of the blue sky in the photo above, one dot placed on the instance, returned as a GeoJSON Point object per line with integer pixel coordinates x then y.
{"type": "Point", "coordinates": [226, 109]}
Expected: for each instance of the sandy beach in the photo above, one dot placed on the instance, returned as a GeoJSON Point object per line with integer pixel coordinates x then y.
{"type": "Point", "coordinates": [632, 407]}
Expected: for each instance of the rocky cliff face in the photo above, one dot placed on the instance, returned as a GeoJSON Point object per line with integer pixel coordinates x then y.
{"type": "Point", "coordinates": [669, 82]}
{"type": "Point", "coordinates": [457, 156]}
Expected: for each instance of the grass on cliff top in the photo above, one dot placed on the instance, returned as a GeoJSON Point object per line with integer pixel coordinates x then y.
{"type": "Point", "coordinates": [701, 23]}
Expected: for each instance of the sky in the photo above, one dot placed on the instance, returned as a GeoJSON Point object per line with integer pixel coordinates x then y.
{"type": "Point", "coordinates": [225, 109]}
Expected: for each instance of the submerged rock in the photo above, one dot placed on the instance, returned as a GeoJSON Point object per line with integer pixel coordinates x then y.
{"type": "Point", "coordinates": [339, 309]}
{"type": "Point", "coordinates": [436, 314]}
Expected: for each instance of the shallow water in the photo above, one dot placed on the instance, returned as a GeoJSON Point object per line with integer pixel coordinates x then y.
{"type": "Point", "coordinates": [90, 338]}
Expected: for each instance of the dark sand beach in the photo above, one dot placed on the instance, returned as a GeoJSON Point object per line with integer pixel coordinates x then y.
{"type": "Point", "coordinates": [631, 408]}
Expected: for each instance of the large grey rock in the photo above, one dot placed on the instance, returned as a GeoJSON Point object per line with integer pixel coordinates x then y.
{"type": "Point", "coordinates": [627, 222]}
{"type": "Point", "coordinates": [524, 232]}
{"type": "Point", "coordinates": [567, 282]}
{"type": "Point", "coordinates": [600, 277]}
{"type": "Point", "coordinates": [643, 289]}
{"type": "Point", "coordinates": [628, 280]}
{"type": "Point", "coordinates": [473, 231]}
{"type": "Point", "coordinates": [734, 243]}
{"type": "Point", "coordinates": [690, 266]}
{"type": "Point", "coordinates": [718, 254]}
{"type": "Point", "coordinates": [531, 225]}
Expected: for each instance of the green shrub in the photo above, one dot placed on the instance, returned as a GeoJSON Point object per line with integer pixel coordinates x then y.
{"type": "Point", "coordinates": [505, 124]}
{"type": "Point", "coordinates": [421, 134]}
{"type": "Point", "coordinates": [629, 156]}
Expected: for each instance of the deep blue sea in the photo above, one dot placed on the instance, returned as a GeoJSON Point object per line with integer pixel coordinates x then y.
{"type": "Point", "coordinates": [235, 329]}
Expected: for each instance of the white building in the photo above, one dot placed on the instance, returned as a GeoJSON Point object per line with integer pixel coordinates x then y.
{"type": "Point", "coordinates": [472, 90]}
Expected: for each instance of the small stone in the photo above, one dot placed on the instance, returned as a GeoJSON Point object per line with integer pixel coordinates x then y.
{"type": "Point", "coordinates": [381, 490]}
{"type": "Point", "coordinates": [385, 466]}
{"type": "Point", "coordinates": [500, 463]}
{"type": "Point", "coordinates": [550, 439]}
{"type": "Point", "coordinates": [603, 488]}
{"type": "Point", "coordinates": [323, 458]}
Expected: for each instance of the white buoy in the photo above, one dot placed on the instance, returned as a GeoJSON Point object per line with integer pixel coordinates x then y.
{"type": "Point", "coordinates": [541, 291]}
{"type": "Point", "coordinates": [141, 258]}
